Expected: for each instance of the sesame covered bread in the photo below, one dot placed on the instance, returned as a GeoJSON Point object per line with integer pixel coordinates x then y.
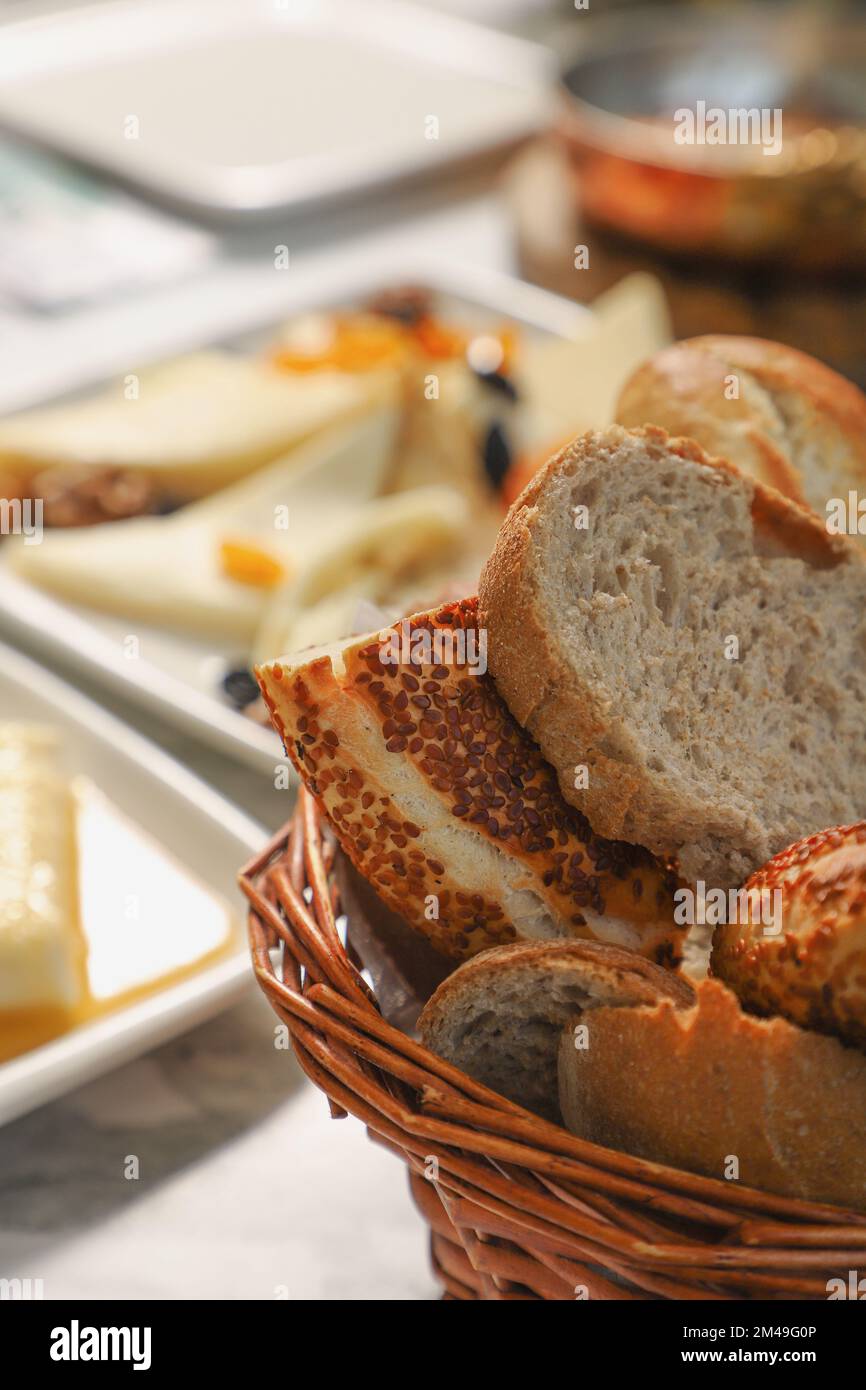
{"type": "Point", "coordinates": [499, 1017]}
{"type": "Point", "coordinates": [693, 642]}
{"type": "Point", "coordinates": [442, 801]}
{"type": "Point", "coordinates": [812, 969]}
{"type": "Point", "coordinates": [786, 419]}
{"type": "Point", "coordinates": [713, 1090]}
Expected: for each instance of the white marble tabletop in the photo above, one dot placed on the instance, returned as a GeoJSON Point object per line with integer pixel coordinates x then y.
{"type": "Point", "coordinates": [246, 1188]}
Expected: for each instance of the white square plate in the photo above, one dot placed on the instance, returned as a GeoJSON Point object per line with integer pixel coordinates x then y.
{"type": "Point", "coordinates": [231, 108]}
{"type": "Point", "coordinates": [203, 831]}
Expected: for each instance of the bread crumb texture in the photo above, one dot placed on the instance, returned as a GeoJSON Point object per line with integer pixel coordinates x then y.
{"type": "Point", "coordinates": [499, 1016]}
{"type": "Point", "coordinates": [694, 640]}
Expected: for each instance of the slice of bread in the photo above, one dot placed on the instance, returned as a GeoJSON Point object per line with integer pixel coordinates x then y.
{"type": "Point", "coordinates": [694, 641]}
{"type": "Point", "coordinates": [716, 1091]}
{"type": "Point", "coordinates": [500, 1016]}
{"type": "Point", "coordinates": [441, 800]}
{"type": "Point", "coordinates": [783, 417]}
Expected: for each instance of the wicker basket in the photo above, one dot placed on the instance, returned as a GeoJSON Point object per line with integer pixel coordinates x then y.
{"type": "Point", "coordinates": [518, 1208]}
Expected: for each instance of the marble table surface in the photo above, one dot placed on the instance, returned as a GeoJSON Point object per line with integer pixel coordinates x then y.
{"type": "Point", "coordinates": [246, 1189]}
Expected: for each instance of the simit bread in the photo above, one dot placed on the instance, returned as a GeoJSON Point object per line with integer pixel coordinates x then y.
{"type": "Point", "coordinates": [695, 1087]}
{"type": "Point", "coordinates": [695, 641]}
{"type": "Point", "coordinates": [813, 970]}
{"type": "Point", "coordinates": [439, 798]}
{"type": "Point", "coordinates": [500, 1015]}
{"type": "Point", "coordinates": [793, 424]}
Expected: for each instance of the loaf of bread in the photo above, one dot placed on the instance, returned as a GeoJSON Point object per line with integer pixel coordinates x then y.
{"type": "Point", "coordinates": [441, 800]}
{"type": "Point", "coordinates": [499, 1016]}
{"type": "Point", "coordinates": [798, 949]}
{"type": "Point", "coordinates": [786, 419]}
{"type": "Point", "coordinates": [692, 641]}
{"type": "Point", "coordinates": [711, 1089]}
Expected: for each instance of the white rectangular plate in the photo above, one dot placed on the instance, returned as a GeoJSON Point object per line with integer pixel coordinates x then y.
{"type": "Point", "coordinates": [203, 831]}
{"type": "Point", "coordinates": [230, 109]}
{"type": "Point", "coordinates": [176, 676]}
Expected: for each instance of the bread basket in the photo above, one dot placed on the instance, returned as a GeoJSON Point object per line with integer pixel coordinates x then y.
{"type": "Point", "coordinates": [518, 1208]}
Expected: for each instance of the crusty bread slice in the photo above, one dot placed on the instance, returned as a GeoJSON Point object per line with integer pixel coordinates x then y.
{"type": "Point", "coordinates": [778, 414]}
{"type": "Point", "coordinates": [500, 1016]}
{"type": "Point", "coordinates": [701, 1086]}
{"type": "Point", "coordinates": [699, 646]}
{"type": "Point", "coordinates": [443, 802]}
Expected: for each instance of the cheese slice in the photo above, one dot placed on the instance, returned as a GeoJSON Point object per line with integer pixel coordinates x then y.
{"type": "Point", "coordinates": [572, 384]}
{"type": "Point", "coordinates": [365, 558]}
{"type": "Point", "coordinates": [168, 571]}
{"type": "Point", "coordinates": [192, 425]}
{"type": "Point", "coordinates": [42, 953]}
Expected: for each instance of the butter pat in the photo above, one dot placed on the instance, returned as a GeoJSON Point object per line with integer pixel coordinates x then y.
{"type": "Point", "coordinates": [41, 946]}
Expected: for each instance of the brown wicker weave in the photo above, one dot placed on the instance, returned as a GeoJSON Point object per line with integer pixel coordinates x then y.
{"type": "Point", "coordinates": [518, 1208]}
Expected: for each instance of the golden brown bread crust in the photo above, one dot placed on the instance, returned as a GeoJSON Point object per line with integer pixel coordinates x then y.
{"type": "Point", "coordinates": [533, 675]}
{"type": "Point", "coordinates": [601, 963]}
{"type": "Point", "coordinates": [401, 753]}
{"type": "Point", "coordinates": [499, 1015]}
{"type": "Point", "coordinates": [813, 971]}
{"type": "Point", "coordinates": [683, 389]}
{"type": "Point", "coordinates": [695, 1087]}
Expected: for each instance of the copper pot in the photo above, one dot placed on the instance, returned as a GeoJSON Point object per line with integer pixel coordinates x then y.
{"type": "Point", "coordinates": [770, 164]}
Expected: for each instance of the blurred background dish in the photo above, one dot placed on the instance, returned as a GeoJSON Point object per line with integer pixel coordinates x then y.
{"type": "Point", "coordinates": [744, 242]}
{"type": "Point", "coordinates": [790, 189]}
{"type": "Point", "coordinates": [231, 111]}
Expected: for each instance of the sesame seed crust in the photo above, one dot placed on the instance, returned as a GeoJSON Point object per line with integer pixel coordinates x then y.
{"type": "Point", "coordinates": [433, 789]}
{"type": "Point", "coordinates": [813, 971]}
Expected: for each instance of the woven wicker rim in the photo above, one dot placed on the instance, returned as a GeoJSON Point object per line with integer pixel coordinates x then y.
{"type": "Point", "coordinates": [518, 1207]}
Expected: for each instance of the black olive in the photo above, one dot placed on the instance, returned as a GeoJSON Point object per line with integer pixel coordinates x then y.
{"type": "Point", "coordinates": [164, 504]}
{"type": "Point", "coordinates": [500, 383]}
{"type": "Point", "coordinates": [240, 686]}
{"type": "Point", "coordinates": [496, 454]}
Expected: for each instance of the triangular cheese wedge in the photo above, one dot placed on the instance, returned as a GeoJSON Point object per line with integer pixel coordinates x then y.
{"type": "Point", "coordinates": [572, 385]}
{"type": "Point", "coordinates": [191, 425]}
{"type": "Point", "coordinates": [365, 557]}
{"type": "Point", "coordinates": [167, 570]}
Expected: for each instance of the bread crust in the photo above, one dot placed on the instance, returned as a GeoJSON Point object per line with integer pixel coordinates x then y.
{"type": "Point", "coordinates": [567, 714]}
{"type": "Point", "coordinates": [599, 963]}
{"type": "Point", "coordinates": [683, 389]}
{"type": "Point", "coordinates": [498, 1016]}
{"type": "Point", "coordinates": [813, 970]}
{"type": "Point", "coordinates": [698, 1087]}
{"type": "Point", "coordinates": [442, 801]}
